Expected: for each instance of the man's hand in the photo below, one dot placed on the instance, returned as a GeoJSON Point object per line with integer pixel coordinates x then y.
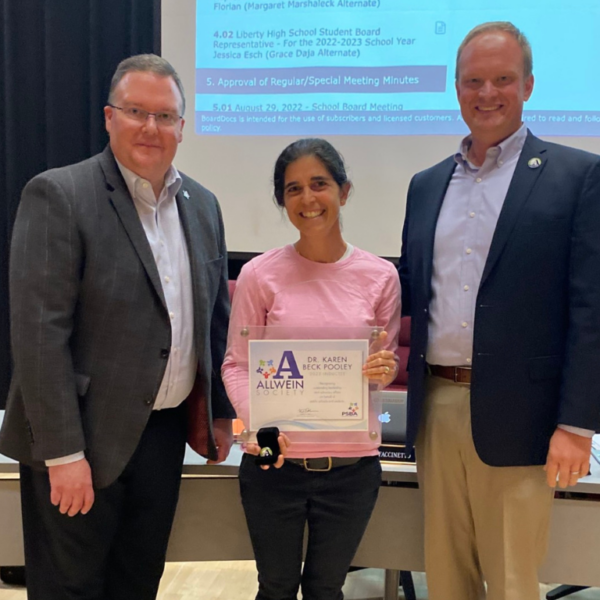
{"type": "Point", "coordinates": [71, 487]}
{"type": "Point", "coordinates": [568, 458]}
{"type": "Point", "coordinates": [223, 432]}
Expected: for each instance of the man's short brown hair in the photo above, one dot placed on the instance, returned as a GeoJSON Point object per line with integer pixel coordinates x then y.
{"type": "Point", "coordinates": [507, 27]}
{"type": "Point", "coordinates": [150, 63]}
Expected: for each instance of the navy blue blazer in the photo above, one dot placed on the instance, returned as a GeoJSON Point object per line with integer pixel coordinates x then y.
{"type": "Point", "coordinates": [536, 348]}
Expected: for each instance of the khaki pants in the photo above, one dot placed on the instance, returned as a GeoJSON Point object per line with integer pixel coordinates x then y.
{"type": "Point", "coordinates": [482, 523]}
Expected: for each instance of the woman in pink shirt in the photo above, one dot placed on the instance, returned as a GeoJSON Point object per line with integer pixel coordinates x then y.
{"type": "Point", "coordinates": [321, 280]}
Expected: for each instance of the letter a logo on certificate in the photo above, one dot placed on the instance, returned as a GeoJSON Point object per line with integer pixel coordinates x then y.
{"type": "Point", "coordinates": [308, 385]}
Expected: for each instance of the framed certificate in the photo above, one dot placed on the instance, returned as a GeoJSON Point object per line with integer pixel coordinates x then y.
{"type": "Point", "coordinates": [308, 382]}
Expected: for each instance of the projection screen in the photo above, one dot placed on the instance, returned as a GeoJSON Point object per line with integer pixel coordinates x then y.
{"type": "Point", "coordinates": [374, 77]}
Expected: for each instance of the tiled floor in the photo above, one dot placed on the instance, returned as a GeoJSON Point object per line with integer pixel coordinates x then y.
{"type": "Point", "coordinates": [237, 581]}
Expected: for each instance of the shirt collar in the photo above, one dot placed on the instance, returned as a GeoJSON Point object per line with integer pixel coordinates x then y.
{"type": "Point", "coordinates": [502, 153]}
{"type": "Point", "coordinates": [135, 183]}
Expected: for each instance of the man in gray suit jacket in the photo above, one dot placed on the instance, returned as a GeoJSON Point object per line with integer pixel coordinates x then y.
{"type": "Point", "coordinates": [119, 312]}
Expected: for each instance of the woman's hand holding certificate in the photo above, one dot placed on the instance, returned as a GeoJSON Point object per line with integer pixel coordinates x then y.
{"type": "Point", "coordinates": [381, 366]}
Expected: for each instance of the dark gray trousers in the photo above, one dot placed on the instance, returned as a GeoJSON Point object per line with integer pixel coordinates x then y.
{"type": "Point", "coordinates": [116, 551]}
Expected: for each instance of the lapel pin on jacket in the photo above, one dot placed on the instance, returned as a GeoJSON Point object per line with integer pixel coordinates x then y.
{"type": "Point", "coordinates": [186, 194]}
{"type": "Point", "coordinates": [534, 163]}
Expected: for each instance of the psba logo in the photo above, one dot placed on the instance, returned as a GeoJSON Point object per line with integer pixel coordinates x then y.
{"type": "Point", "coordinates": [352, 410]}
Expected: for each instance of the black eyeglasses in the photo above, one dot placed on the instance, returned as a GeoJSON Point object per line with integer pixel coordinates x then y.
{"type": "Point", "coordinates": [162, 119]}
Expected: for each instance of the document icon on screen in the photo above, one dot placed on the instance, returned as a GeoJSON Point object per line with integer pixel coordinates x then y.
{"type": "Point", "coordinates": [440, 27]}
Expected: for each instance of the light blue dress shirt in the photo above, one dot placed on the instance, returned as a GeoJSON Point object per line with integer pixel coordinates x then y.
{"type": "Point", "coordinates": [463, 237]}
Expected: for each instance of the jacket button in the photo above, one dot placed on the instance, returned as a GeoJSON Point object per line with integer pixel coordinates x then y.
{"type": "Point", "coordinates": [148, 401]}
{"type": "Point", "coordinates": [164, 353]}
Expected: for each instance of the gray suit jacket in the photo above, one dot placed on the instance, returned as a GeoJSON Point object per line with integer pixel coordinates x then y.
{"type": "Point", "coordinates": [90, 330]}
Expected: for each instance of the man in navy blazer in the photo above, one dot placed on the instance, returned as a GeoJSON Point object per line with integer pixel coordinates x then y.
{"type": "Point", "coordinates": [500, 273]}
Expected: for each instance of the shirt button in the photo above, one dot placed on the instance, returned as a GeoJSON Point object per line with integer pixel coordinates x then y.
{"type": "Point", "coordinates": [500, 162]}
{"type": "Point", "coordinates": [465, 324]}
{"type": "Point", "coordinates": [172, 315]}
{"type": "Point", "coordinates": [145, 185]}
{"type": "Point", "coordinates": [468, 361]}
{"type": "Point", "coordinates": [472, 215]}
{"type": "Point", "coordinates": [466, 288]}
{"type": "Point", "coordinates": [478, 180]}
{"type": "Point", "coordinates": [167, 279]}
{"type": "Point", "coordinates": [468, 250]}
